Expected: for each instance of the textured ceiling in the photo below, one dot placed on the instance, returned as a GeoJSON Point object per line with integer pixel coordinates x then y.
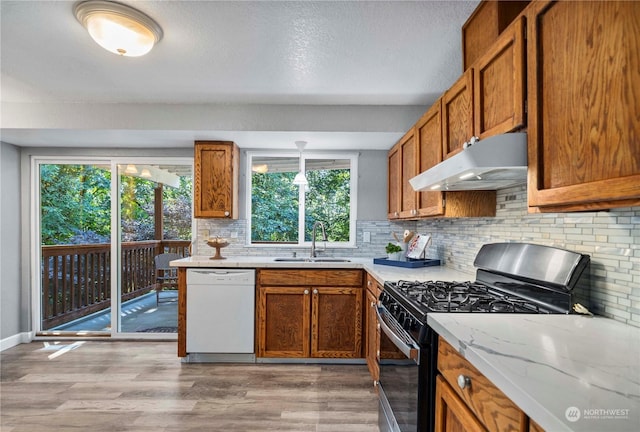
{"type": "Point", "coordinates": [356, 54]}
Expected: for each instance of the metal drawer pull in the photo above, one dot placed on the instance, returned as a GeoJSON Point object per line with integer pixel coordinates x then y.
{"type": "Point", "coordinates": [315, 291]}
{"type": "Point", "coordinates": [464, 382]}
{"type": "Point", "coordinates": [306, 292]}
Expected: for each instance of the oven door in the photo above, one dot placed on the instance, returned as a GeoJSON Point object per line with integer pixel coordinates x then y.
{"type": "Point", "coordinates": [400, 380]}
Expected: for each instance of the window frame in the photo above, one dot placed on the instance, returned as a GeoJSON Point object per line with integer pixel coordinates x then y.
{"type": "Point", "coordinates": [353, 198]}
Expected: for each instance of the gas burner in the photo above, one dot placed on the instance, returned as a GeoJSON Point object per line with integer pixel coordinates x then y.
{"type": "Point", "coordinates": [442, 296]}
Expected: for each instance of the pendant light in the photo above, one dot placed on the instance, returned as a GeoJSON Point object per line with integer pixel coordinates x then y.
{"type": "Point", "coordinates": [300, 179]}
{"type": "Point", "coordinates": [118, 28]}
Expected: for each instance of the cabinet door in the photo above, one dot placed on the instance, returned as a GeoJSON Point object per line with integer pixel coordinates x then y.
{"type": "Point", "coordinates": [284, 321]}
{"type": "Point", "coordinates": [215, 179]}
{"type": "Point", "coordinates": [408, 206]}
{"type": "Point", "coordinates": [584, 99]}
{"type": "Point", "coordinates": [402, 167]}
{"type": "Point", "coordinates": [499, 80]}
{"type": "Point", "coordinates": [336, 322]}
{"type": "Point", "coordinates": [394, 193]}
{"type": "Point", "coordinates": [484, 25]}
{"type": "Point", "coordinates": [534, 427]}
{"type": "Point", "coordinates": [490, 406]}
{"type": "Point", "coordinates": [371, 337]}
{"type": "Point", "coordinates": [457, 115]}
{"type": "Point", "coordinates": [429, 143]}
{"type": "Point", "coordinates": [452, 415]}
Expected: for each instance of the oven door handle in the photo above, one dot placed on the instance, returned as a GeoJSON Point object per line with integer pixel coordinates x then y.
{"type": "Point", "coordinates": [404, 344]}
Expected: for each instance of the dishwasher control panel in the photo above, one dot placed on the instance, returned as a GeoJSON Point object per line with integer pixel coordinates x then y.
{"type": "Point", "coordinates": [221, 276]}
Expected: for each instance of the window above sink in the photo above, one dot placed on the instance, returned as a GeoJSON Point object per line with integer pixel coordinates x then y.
{"type": "Point", "coordinates": [281, 213]}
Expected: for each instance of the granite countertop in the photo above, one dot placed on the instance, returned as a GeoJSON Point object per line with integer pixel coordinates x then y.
{"type": "Point", "coordinates": [382, 273]}
{"type": "Point", "coordinates": [566, 372]}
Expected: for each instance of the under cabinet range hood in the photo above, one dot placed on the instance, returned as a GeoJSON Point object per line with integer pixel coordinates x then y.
{"type": "Point", "coordinates": [493, 163]}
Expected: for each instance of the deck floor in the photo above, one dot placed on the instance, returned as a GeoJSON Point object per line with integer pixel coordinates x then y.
{"type": "Point", "coordinates": [143, 387]}
{"type": "Point", "coordinates": [141, 314]}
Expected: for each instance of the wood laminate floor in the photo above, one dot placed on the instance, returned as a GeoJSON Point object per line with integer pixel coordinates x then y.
{"type": "Point", "coordinates": [142, 386]}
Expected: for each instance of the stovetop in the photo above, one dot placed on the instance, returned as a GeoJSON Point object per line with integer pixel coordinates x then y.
{"type": "Point", "coordinates": [421, 298]}
{"type": "Point", "coordinates": [440, 296]}
{"type": "Point", "coordinates": [511, 278]}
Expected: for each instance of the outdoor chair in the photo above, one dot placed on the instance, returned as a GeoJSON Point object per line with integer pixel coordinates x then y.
{"type": "Point", "coordinates": [166, 276]}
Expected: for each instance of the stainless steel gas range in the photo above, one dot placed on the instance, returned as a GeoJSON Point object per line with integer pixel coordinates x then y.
{"type": "Point", "coordinates": [510, 278]}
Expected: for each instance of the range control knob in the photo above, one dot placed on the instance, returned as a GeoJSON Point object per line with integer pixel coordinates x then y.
{"type": "Point", "coordinates": [408, 323]}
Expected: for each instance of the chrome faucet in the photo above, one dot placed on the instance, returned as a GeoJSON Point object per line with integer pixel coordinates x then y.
{"type": "Point", "coordinates": [313, 237]}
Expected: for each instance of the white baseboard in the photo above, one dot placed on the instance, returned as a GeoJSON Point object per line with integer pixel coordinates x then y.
{"type": "Point", "coordinates": [14, 340]}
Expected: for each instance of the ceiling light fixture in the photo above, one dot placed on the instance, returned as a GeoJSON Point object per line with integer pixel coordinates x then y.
{"type": "Point", "coordinates": [300, 179]}
{"type": "Point", "coordinates": [260, 169]}
{"type": "Point", "coordinates": [118, 28]}
{"type": "Point", "coordinates": [131, 169]}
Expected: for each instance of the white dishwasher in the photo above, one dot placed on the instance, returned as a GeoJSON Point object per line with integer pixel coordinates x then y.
{"type": "Point", "coordinates": [220, 314]}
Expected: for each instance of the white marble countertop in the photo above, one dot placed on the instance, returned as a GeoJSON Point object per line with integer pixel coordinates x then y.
{"type": "Point", "coordinates": [380, 272]}
{"type": "Point", "coordinates": [555, 366]}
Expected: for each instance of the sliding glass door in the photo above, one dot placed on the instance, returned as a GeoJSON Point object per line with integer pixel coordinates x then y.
{"type": "Point", "coordinates": [75, 247]}
{"type": "Point", "coordinates": [100, 236]}
{"type": "Point", "coordinates": [155, 220]}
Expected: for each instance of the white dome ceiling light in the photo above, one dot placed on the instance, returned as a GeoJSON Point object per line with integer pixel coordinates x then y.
{"type": "Point", "coordinates": [118, 28]}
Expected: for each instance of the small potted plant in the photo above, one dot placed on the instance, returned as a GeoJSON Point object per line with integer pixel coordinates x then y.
{"type": "Point", "coordinates": [393, 251]}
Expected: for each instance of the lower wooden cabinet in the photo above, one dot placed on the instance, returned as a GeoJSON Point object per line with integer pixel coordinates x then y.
{"type": "Point", "coordinates": [372, 340]}
{"type": "Point", "coordinates": [452, 414]}
{"type": "Point", "coordinates": [468, 398]}
{"type": "Point", "coordinates": [534, 427]}
{"type": "Point", "coordinates": [309, 313]}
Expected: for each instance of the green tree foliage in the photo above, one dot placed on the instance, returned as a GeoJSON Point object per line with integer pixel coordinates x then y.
{"type": "Point", "coordinates": [274, 208]}
{"type": "Point", "coordinates": [328, 200]}
{"type": "Point", "coordinates": [274, 205]}
{"type": "Point", "coordinates": [76, 206]}
{"type": "Point", "coordinates": [177, 210]}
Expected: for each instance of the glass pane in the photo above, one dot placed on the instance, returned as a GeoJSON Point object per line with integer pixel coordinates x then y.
{"type": "Point", "coordinates": [328, 198]}
{"type": "Point", "coordinates": [75, 230]}
{"type": "Point", "coordinates": [149, 296]}
{"type": "Point", "coordinates": [274, 200]}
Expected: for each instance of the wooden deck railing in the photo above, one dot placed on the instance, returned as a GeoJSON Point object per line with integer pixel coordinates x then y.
{"type": "Point", "coordinates": [76, 279]}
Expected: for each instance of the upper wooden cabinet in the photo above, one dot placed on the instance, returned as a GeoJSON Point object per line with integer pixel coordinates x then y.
{"type": "Point", "coordinates": [215, 186]}
{"type": "Point", "coordinates": [584, 99]}
{"type": "Point", "coordinates": [484, 26]}
{"type": "Point", "coordinates": [419, 150]}
{"type": "Point", "coordinates": [402, 167]}
{"type": "Point", "coordinates": [489, 98]}
{"type": "Point", "coordinates": [499, 84]}
{"type": "Point", "coordinates": [457, 115]}
{"type": "Point", "coordinates": [429, 137]}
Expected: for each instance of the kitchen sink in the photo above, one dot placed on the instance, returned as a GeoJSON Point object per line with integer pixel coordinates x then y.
{"type": "Point", "coordinates": [291, 259]}
{"type": "Point", "coordinates": [311, 260]}
{"type": "Point", "coordinates": [329, 260]}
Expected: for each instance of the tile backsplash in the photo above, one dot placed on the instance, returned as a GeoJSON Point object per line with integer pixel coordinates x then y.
{"type": "Point", "coordinates": [611, 238]}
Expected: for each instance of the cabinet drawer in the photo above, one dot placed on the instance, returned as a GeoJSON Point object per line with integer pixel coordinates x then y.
{"type": "Point", "coordinates": [295, 277]}
{"type": "Point", "coordinates": [496, 411]}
